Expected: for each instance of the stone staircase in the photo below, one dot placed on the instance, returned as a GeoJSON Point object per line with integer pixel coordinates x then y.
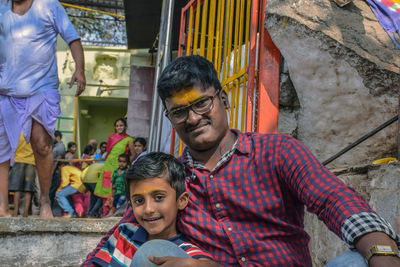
{"type": "Point", "coordinates": [33, 241]}
{"type": "Point", "coordinates": [66, 242]}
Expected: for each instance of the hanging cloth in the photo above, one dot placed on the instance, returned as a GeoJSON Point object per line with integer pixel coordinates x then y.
{"type": "Point", "coordinates": [388, 14]}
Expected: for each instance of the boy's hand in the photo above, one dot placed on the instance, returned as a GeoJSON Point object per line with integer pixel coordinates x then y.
{"type": "Point", "coordinates": [181, 262]}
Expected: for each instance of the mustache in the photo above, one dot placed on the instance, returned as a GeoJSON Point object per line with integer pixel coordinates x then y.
{"type": "Point", "coordinates": [203, 122]}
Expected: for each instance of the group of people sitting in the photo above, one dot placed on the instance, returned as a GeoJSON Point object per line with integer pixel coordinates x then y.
{"type": "Point", "coordinates": [233, 198]}
{"type": "Point", "coordinates": [92, 186]}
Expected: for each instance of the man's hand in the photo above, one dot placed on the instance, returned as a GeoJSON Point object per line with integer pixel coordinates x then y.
{"type": "Point", "coordinates": [79, 78]}
{"type": "Point", "coordinates": [182, 262]}
{"type": "Point", "coordinates": [79, 74]}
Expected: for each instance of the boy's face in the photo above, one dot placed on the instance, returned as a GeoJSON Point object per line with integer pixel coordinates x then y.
{"type": "Point", "coordinates": [139, 148]}
{"type": "Point", "coordinates": [73, 149]}
{"type": "Point", "coordinates": [155, 206]}
{"type": "Point", "coordinates": [122, 163]}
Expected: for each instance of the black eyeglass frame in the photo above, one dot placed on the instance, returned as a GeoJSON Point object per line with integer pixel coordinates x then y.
{"type": "Point", "coordinates": [190, 106]}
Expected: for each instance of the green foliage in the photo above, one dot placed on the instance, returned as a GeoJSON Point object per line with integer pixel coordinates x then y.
{"type": "Point", "coordinates": [95, 28]}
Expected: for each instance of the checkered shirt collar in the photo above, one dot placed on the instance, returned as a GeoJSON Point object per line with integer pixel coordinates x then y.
{"type": "Point", "coordinates": [241, 145]}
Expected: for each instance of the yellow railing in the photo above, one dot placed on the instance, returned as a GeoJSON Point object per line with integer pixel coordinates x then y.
{"type": "Point", "coordinates": [220, 31]}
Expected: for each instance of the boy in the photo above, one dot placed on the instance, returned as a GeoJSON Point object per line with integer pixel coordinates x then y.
{"type": "Point", "coordinates": [118, 182]}
{"type": "Point", "coordinates": [155, 187]}
{"type": "Point", "coordinates": [22, 177]}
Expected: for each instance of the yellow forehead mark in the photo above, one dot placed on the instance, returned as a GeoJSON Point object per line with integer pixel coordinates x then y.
{"type": "Point", "coordinates": [184, 97]}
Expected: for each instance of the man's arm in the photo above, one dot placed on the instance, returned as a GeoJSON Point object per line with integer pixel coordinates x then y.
{"type": "Point", "coordinates": [79, 74]}
{"type": "Point", "coordinates": [340, 207]}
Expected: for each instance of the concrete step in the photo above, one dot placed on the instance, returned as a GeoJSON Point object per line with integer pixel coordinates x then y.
{"type": "Point", "coordinates": [34, 241]}
{"type": "Point", "coordinates": [66, 242]}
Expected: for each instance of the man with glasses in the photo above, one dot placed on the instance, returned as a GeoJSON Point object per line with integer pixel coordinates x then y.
{"type": "Point", "coordinates": [248, 191]}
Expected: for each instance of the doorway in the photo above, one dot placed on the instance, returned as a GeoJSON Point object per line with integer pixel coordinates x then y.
{"type": "Point", "coordinates": [97, 116]}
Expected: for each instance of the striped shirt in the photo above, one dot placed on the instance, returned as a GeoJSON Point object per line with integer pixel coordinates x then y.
{"type": "Point", "coordinates": [126, 240]}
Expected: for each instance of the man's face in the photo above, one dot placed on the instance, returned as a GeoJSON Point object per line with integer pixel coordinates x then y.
{"type": "Point", "coordinates": [93, 143]}
{"type": "Point", "coordinates": [200, 132]}
{"type": "Point", "coordinates": [155, 206]}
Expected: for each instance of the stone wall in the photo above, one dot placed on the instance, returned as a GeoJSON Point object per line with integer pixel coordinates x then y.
{"type": "Point", "coordinates": [345, 73]}
{"type": "Point", "coordinates": [379, 185]}
{"type": "Point", "coordinates": [49, 242]}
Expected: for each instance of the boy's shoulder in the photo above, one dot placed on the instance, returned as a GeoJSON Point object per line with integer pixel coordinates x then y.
{"type": "Point", "coordinates": [191, 249]}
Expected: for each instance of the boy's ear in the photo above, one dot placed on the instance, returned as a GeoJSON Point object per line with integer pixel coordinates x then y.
{"type": "Point", "coordinates": [183, 200]}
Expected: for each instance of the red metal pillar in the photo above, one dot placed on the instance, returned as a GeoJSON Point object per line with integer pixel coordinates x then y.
{"type": "Point", "coordinates": [268, 80]}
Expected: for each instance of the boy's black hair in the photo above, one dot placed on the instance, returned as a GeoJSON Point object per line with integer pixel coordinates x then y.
{"type": "Point", "coordinates": [186, 72]}
{"type": "Point", "coordinates": [103, 143]}
{"type": "Point", "coordinates": [120, 119]}
{"type": "Point", "coordinates": [70, 144]}
{"type": "Point", "coordinates": [157, 164]}
{"type": "Point", "coordinates": [57, 134]}
{"type": "Point", "coordinates": [141, 140]}
{"type": "Point", "coordinates": [87, 149]}
{"type": "Point", "coordinates": [126, 157]}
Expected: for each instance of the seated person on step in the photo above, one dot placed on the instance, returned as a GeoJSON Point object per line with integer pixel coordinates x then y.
{"type": "Point", "coordinates": [157, 195]}
{"type": "Point", "coordinates": [248, 191]}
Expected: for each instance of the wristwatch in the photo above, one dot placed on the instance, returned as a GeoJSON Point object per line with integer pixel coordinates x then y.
{"type": "Point", "coordinates": [383, 250]}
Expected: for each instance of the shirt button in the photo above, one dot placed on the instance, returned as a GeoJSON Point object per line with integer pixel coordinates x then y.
{"type": "Point", "coordinates": [229, 229]}
{"type": "Point", "coordinates": [211, 176]}
{"type": "Point", "coordinates": [217, 205]}
{"type": "Point", "coordinates": [243, 259]}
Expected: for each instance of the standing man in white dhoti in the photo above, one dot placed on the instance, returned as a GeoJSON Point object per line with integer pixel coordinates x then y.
{"type": "Point", "coordinates": [29, 98]}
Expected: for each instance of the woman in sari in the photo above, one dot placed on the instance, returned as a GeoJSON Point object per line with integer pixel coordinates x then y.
{"type": "Point", "coordinates": [117, 144]}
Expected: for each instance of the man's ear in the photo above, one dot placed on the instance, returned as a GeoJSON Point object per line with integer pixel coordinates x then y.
{"type": "Point", "coordinates": [183, 200]}
{"type": "Point", "coordinates": [224, 98]}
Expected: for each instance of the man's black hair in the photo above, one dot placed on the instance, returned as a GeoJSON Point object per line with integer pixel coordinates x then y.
{"type": "Point", "coordinates": [186, 72]}
{"type": "Point", "coordinates": [126, 157]}
{"type": "Point", "coordinates": [103, 143]}
{"type": "Point", "coordinates": [141, 140]}
{"type": "Point", "coordinates": [87, 149]}
{"type": "Point", "coordinates": [57, 134]}
{"type": "Point", "coordinates": [70, 144]}
{"type": "Point", "coordinates": [157, 164]}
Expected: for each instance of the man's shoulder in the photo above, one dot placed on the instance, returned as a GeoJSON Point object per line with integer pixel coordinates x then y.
{"type": "Point", "coordinates": [258, 139]}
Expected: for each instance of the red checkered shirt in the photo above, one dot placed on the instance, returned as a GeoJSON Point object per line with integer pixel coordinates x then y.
{"type": "Point", "coordinates": [249, 210]}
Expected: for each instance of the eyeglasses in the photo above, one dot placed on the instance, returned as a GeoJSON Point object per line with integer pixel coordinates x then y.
{"type": "Point", "coordinates": [200, 107]}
